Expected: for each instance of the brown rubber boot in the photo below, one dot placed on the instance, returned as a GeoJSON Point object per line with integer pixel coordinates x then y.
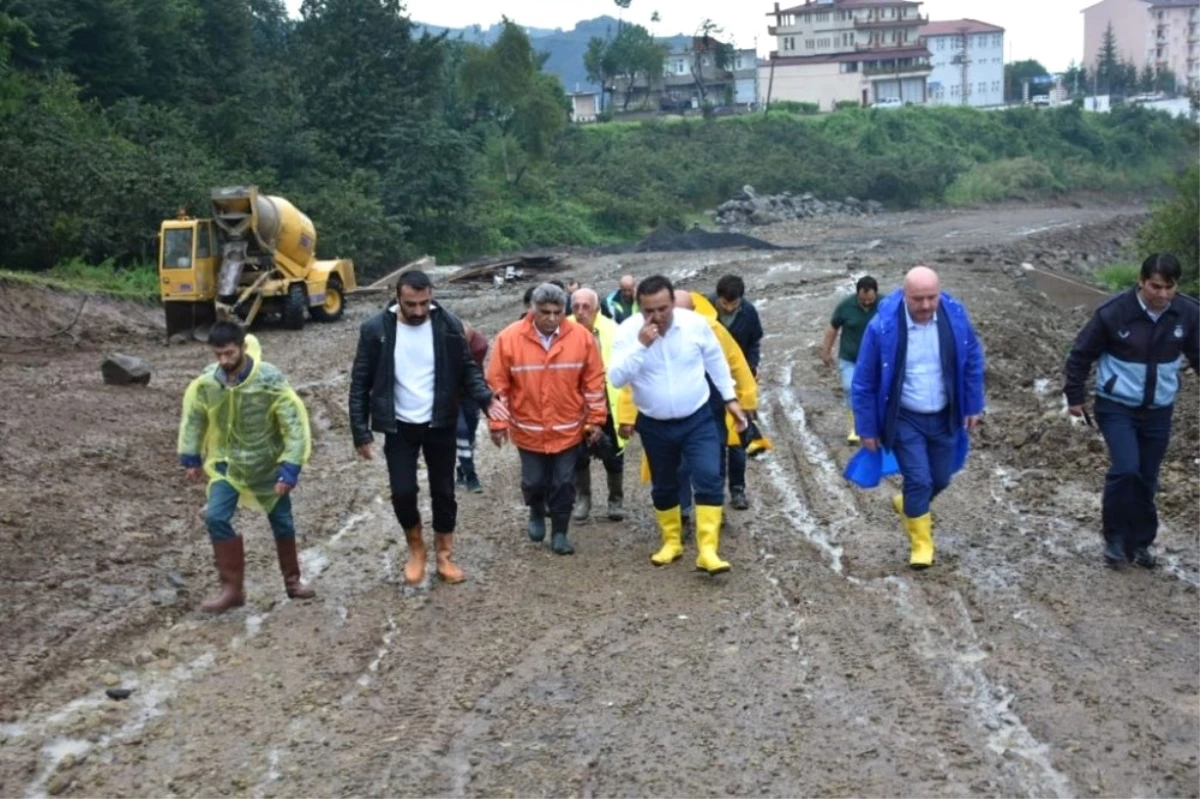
{"type": "Point", "coordinates": [414, 567]}
{"type": "Point", "coordinates": [446, 570]}
{"type": "Point", "coordinates": [231, 564]}
{"type": "Point", "coordinates": [289, 564]}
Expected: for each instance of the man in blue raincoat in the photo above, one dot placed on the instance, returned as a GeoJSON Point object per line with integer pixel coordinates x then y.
{"type": "Point", "coordinates": [918, 391]}
{"type": "Point", "coordinates": [246, 431]}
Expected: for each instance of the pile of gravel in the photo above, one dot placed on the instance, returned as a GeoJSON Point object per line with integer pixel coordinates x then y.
{"type": "Point", "coordinates": [750, 208]}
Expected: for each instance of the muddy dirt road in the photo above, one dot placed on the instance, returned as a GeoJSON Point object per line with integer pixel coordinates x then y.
{"type": "Point", "coordinates": [1018, 666]}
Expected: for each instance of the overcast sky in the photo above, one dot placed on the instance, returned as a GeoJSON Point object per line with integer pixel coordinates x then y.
{"type": "Point", "coordinates": [1049, 30]}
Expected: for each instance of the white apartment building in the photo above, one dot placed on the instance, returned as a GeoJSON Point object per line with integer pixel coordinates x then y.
{"type": "Point", "coordinates": [1161, 33]}
{"type": "Point", "coordinates": [968, 62]}
{"type": "Point", "coordinates": [861, 51]}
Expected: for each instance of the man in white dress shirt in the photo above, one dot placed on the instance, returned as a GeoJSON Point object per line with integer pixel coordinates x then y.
{"type": "Point", "coordinates": [669, 356]}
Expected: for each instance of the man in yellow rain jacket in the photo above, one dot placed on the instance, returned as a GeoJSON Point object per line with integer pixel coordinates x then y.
{"type": "Point", "coordinates": [744, 384]}
{"type": "Point", "coordinates": [586, 304]}
{"type": "Point", "coordinates": [246, 430]}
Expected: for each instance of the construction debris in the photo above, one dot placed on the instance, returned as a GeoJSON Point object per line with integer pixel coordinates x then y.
{"type": "Point", "coordinates": [388, 282]}
{"type": "Point", "coordinates": [513, 267]}
{"type": "Point", "coordinates": [666, 239]}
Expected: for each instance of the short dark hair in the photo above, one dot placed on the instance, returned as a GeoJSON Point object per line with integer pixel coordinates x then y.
{"type": "Point", "coordinates": [222, 334]}
{"type": "Point", "coordinates": [558, 283]}
{"type": "Point", "coordinates": [655, 284]}
{"type": "Point", "coordinates": [415, 280]}
{"type": "Point", "coordinates": [866, 283]}
{"type": "Point", "coordinates": [529, 295]}
{"type": "Point", "coordinates": [1164, 265]}
{"type": "Point", "coordinates": [731, 287]}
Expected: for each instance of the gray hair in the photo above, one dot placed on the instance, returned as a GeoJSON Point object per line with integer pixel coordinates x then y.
{"type": "Point", "coordinates": [587, 292]}
{"type": "Point", "coordinates": [548, 292]}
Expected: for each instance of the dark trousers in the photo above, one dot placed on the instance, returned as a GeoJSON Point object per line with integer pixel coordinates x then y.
{"type": "Point", "coordinates": [223, 502]}
{"type": "Point", "coordinates": [468, 421]}
{"type": "Point", "coordinates": [737, 467]}
{"type": "Point", "coordinates": [438, 446]}
{"type": "Point", "coordinates": [925, 449]}
{"type": "Point", "coordinates": [671, 443]}
{"type": "Point", "coordinates": [548, 481]}
{"type": "Point", "coordinates": [1137, 442]}
{"type": "Point", "coordinates": [613, 464]}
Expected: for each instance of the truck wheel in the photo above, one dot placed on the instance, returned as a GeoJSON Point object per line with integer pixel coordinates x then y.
{"type": "Point", "coordinates": [335, 302]}
{"type": "Point", "coordinates": [294, 306]}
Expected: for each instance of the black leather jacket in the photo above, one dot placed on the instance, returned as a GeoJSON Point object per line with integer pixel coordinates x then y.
{"type": "Point", "coordinates": [373, 377]}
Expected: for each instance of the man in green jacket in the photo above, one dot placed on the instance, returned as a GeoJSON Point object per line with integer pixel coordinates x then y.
{"type": "Point", "coordinates": [850, 317]}
{"type": "Point", "coordinates": [246, 431]}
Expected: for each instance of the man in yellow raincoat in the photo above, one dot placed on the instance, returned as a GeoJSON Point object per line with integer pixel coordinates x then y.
{"type": "Point", "coordinates": [246, 431]}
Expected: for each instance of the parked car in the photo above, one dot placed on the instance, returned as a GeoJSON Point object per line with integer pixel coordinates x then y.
{"type": "Point", "coordinates": [888, 102]}
{"type": "Point", "coordinates": [1040, 99]}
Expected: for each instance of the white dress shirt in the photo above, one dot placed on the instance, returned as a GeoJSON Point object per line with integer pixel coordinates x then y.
{"type": "Point", "coordinates": [668, 376]}
{"type": "Point", "coordinates": [924, 388]}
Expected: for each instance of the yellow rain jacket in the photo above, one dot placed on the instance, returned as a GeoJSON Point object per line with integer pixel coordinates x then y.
{"type": "Point", "coordinates": [606, 331]}
{"type": "Point", "coordinates": [744, 384]}
{"type": "Point", "coordinates": [245, 433]}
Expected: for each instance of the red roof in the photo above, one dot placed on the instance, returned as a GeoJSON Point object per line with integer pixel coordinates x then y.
{"type": "Point", "coordinates": [950, 27]}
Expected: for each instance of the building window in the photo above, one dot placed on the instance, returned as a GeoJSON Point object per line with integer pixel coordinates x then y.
{"type": "Point", "coordinates": [941, 43]}
{"type": "Point", "coordinates": [810, 44]}
{"type": "Point", "coordinates": [850, 66]}
{"type": "Point", "coordinates": [982, 88]}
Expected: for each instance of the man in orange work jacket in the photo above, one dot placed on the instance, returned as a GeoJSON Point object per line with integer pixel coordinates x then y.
{"type": "Point", "coordinates": [548, 373]}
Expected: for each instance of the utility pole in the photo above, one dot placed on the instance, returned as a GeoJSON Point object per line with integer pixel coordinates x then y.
{"type": "Point", "coordinates": [963, 66]}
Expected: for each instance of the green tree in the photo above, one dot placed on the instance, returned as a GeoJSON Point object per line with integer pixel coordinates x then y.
{"type": "Point", "coordinates": [1108, 63]}
{"type": "Point", "coordinates": [526, 107]}
{"type": "Point", "coordinates": [1172, 228]}
{"type": "Point", "coordinates": [601, 65]}
{"type": "Point", "coordinates": [708, 51]}
{"type": "Point", "coordinates": [1166, 81]}
{"type": "Point", "coordinates": [1017, 73]}
{"type": "Point", "coordinates": [1146, 79]}
{"type": "Point", "coordinates": [637, 56]}
{"type": "Point", "coordinates": [1077, 79]}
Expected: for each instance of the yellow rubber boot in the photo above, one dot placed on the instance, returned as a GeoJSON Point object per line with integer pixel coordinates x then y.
{"type": "Point", "coordinates": [898, 503]}
{"type": "Point", "coordinates": [852, 437]}
{"type": "Point", "coordinates": [670, 523]}
{"type": "Point", "coordinates": [920, 533]}
{"type": "Point", "coordinates": [708, 537]}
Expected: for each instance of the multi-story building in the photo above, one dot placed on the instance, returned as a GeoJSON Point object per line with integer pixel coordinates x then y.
{"type": "Point", "coordinates": [692, 77]}
{"type": "Point", "coordinates": [968, 62]}
{"type": "Point", "coordinates": [1161, 33]}
{"type": "Point", "coordinates": [862, 51]}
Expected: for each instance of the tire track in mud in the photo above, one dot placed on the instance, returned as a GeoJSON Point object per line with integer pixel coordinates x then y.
{"type": "Point", "coordinates": [951, 644]}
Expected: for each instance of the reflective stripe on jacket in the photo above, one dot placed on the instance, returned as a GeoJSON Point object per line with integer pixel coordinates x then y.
{"type": "Point", "coordinates": [551, 394]}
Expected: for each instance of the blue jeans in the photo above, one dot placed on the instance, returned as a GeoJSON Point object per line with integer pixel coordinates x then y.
{"type": "Point", "coordinates": [846, 372]}
{"type": "Point", "coordinates": [692, 442]}
{"type": "Point", "coordinates": [925, 448]}
{"type": "Point", "coordinates": [1137, 442]}
{"type": "Point", "coordinates": [222, 502]}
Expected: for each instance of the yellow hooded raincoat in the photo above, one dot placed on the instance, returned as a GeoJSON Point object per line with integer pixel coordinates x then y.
{"type": "Point", "coordinates": [244, 432]}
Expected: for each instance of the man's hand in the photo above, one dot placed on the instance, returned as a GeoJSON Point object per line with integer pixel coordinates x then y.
{"type": "Point", "coordinates": [739, 416]}
{"type": "Point", "coordinates": [498, 410]}
{"type": "Point", "coordinates": [649, 334]}
{"type": "Point", "coordinates": [499, 437]}
{"type": "Point", "coordinates": [625, 431]}
{"type": "Point", "coordinates": [364, 451]}
{"type": "Point", "coordinates": [827, 358]}
{"type": "Point", "coordinates": [870, 443]}
{"type": "Point", "coordinates": [282, 489]}
{"type": "Point", "coordinates": [972, 422]}
{"type": "Point", "coordinates": [1076, 410]}
{"type": "Point", "coordinates": [194, 474]}
{"type": "Point", "coordinates": [592, 434]}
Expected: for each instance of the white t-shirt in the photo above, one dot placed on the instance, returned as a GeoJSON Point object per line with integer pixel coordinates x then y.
{"type": "Point", "coordinates": [414, 372]}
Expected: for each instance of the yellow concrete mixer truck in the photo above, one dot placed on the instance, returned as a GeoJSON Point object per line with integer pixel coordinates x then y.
{"type": "Point", "coordinates": [256, 255]}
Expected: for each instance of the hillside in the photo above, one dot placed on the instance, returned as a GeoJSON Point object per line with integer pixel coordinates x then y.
{"type": "Point", "coordinates": [566, 48]}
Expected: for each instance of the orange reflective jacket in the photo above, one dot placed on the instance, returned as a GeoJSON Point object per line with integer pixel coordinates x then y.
{"type": "Point", "coordinates": [551, 393]}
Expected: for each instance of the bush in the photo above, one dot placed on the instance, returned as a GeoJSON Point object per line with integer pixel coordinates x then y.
{"type": "Point", "coordinates": [134, 282]}
{"type": "Point", "coordinates": [1118, 277]}
{"type": "Point", "coordinates": [1010, 179]}
{"type": "Point", "coordinates": [846, 105]}
{"type": "Point", "coordinates": [1173, 228]}
{"type": "Point", "coordinates": [794, 107]}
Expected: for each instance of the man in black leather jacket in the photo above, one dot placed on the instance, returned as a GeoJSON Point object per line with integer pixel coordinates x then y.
{"type": "Point", "coordinates": [411, 369]}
